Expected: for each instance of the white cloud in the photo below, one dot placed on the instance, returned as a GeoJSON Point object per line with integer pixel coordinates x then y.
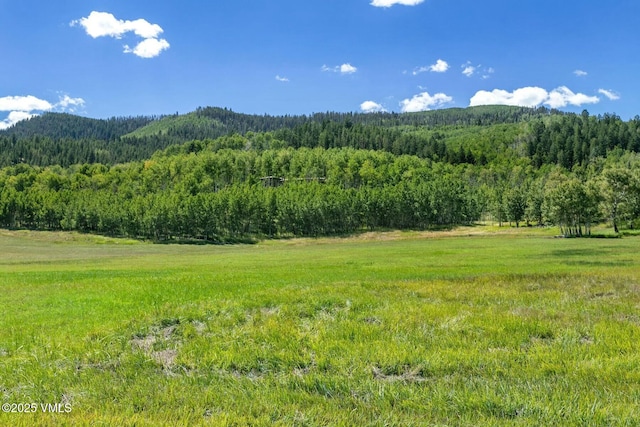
{"type": "Point", "coordinates": [523, 97]}
{"type": "Point", "coordinates": [468, 70]}
{"type": "Point", "coordinates": [148, 48]}
{"type": "Point", "coordinates": [580, 73]}
{"type": "Point", "coordinates": [563, 96]}
{"type": "Point", "coordinates": [372, 107]}
{"type": "Point", "coordinates": [389, 3]}
{"type": "Point", "coordinates": [69, 104]}
{"type": "Point", "coordinates": [25, 107]}
{"type": "Point", "coordinates": [342, 69]}
{"type": "Point", "coordinates": [24, 103]}
{"type": "Point", "coordinates": [282, 79]}
{"type": "Point", "coordinates": [609, 94]}
{"type": "Point", "coordinates": [439, 67]}
{"type": "Point", "coordinates": [420, 70]}
{"type": "Point", "coordinates": [347, 69]}
{"type": "Point", "coordinates": [424, 102]}
{"type": "Point", "coordinates": [532, 97]}
{"type": "Point", "coordinates": [103, 24]}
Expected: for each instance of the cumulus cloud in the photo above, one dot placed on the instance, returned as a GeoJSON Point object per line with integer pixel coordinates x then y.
{"type": "Point", "coordinates": [533, 97]}
{"type": "Point", "coordinates": [282, 79]}
{"type": "Point", "coordinates": [24, 104]}
{"type": "Point", "coordinates": [609, 94]}
{"type": "Point", "coordinates": [389, 3]}
{"type": "Point", "coordinates": [148, 48]}
{"type": "Point", "coordinates": [439, 67]}
{"type": "Point", "coordinates": [103, 24]}
{"type": "Point", "coordinates": [580, 73]}
{"type": "Point", "coordinates": [25, 107]}
{"type": "Point", "coordinates": [424, 102]}
{"type": "Point", "coordinates": [563, 96]}
{"type": "Point", "coordinates": [347, 69]}
{"type": "Point", "coordinates": [468, 70]}
{"type": "Point", "coordinates": [342, 69]}
{"type": "Point", "coordinates": [69, 104]}
{"type": "Point", "coordinates": [372, 107]}
{"type": "Point", "coordinates": [525, 97]}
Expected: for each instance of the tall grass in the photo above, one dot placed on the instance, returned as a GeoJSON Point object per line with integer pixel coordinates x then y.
{"type": "Point", "coordinates": [388, 329]}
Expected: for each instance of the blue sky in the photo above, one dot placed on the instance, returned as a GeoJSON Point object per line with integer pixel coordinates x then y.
{"type": "Point", "coordinates": [116, 58]}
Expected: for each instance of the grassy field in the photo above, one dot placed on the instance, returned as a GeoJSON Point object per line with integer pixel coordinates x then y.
{"type": "Point", "coordinates": [472, 327]}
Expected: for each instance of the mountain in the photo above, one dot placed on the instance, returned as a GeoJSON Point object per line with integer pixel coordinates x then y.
{"type": "Point", "coordinates": [63, 125]}
{"type": "Point", "coordinates": [455, 135]}
{"type": "Point", "coordinates": [212, 122]}
{"type": "Point", "coordinates": [216, 175]}
{"type": "Point", "coordinates": [65, 139]}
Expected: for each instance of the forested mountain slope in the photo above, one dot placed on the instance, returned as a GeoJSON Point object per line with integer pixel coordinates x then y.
{"type": "Point", "coordinates": [207, 192]}
{"type": "Point", "coordinates": [63, 139]}
{"type": "Point", "coordinates": [212, 122]}
{"type": "Point", "coordinates": [69, 126]}
{"type": "Point", "coordinates": [329, 173]}
{"type": "Point", "coordinates": [66, 139]}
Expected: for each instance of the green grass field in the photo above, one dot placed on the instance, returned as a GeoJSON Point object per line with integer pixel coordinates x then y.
{"type": "Point", "coordinates": [471, 327]}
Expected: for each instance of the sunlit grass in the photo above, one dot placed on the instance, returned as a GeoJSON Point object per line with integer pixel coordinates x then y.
{"type": "Point", "coordinates": [467, 327]}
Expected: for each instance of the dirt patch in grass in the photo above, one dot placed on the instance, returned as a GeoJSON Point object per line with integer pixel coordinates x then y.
{"type": "Point", "coordinates": [166, 358]}
{"type": "Point", "coordinates": [152, 344]}
{"type": "Point", "coordinates": [409, 374]}
{"type": "Point", "coordinates": [144, 343]}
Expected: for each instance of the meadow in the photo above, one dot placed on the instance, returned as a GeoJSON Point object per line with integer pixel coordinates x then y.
{"type": "Point", "coordinates": [476, 326]}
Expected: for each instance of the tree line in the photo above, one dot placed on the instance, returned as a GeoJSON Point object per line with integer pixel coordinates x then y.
{"type": "Point", "coordinates": [215, 193]}
{"type": "Point", "coordinates": [219, 197]}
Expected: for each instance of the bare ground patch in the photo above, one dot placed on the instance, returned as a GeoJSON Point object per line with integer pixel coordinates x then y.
{"type": "Point", "coordinates": [408, 374]}
{"type": "Point", "coordinates": [161, 344]}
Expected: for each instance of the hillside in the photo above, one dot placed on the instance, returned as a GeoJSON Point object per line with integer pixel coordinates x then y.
{"type": "Point", "coordinates": [63, 125]}
{"type": "Point", "coordinates": [212, 122]}
{"type": "Point", "coordinates": [326, 174]}
{"type": "Point", "coordinates": [64, 139]}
